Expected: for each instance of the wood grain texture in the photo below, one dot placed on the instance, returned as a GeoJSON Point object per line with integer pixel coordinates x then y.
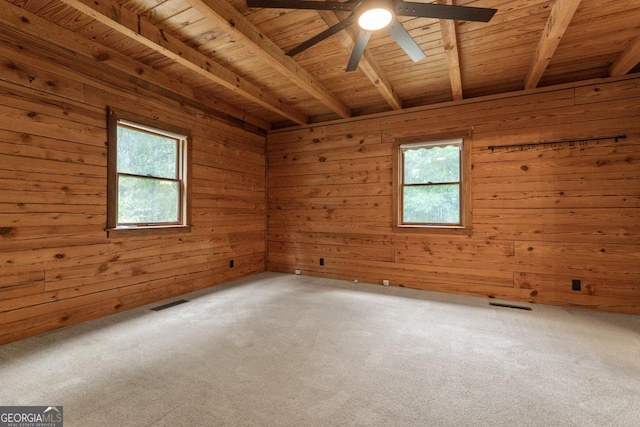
{"type": "Point", "coordinates": [541, 216]}
{"type": "Point", "coordinates": [627, 60]}
{"type": "Point", "coordinates": [57, 265]}
{"type": "Point", "coordinates": [450, 43]}
{"type": "Point", "coordinates": [20, 28]}
{"type": "Point", "coordinates": [139, 29]}
{"type": "Point", "coordinates": [367, 64]}
{"type": "Point", "coordinates": [559, 19]}
{"type": "Point", "coordinates": [231, 57]}
{"type": "Point", "coordinates": [224, 15]}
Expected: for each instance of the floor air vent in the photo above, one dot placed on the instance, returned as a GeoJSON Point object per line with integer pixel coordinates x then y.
{"type": "Point", "coordinates": [168, 305]}
{"type": "Point", "coordinates": [497, 304]}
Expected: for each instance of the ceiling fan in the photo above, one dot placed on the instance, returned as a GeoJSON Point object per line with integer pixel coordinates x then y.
{"type": "Point", "coordinates": [374, 15]}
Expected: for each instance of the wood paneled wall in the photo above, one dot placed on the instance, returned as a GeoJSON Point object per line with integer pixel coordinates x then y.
{"type": "Point", "coordinates": [541, 216]}
{"type": "Point", "coordinates": [57, 266]}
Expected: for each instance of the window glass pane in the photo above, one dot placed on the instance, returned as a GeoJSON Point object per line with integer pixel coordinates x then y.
{"type": "Point", "coordinates": [432, 164]}
{"type": "Point", "coordinates": [143, 153]}
{"type": "Point", "coordinates": [432, 204]}
{"type": "Point", "coordinates": [146, 200]}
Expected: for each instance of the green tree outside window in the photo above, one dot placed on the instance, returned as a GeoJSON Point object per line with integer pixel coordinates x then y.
{"type": "Point", "coordinates": [431, 183]}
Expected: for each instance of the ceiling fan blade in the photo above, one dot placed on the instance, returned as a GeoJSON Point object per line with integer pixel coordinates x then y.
{"type": "Point", "coordinates": [406, 42]}
{"type": "Point", "coordinates": [358, 49]}
{"type": "Point", "coordinates": [323, 35]}
{"type": "Point", "coordinates": [444, 11]}
{"type": "Point", "coordinates": [302, 4]}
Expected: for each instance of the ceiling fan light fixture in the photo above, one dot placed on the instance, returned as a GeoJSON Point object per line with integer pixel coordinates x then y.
{"type": "Point", "coordinates": [375, 19]}
{"type": "Point", "coordinates": [375, 15]}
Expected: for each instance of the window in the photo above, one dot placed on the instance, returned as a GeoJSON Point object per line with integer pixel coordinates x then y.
{"type": "Point", "coordinates": [148, 185]}
{"type": "Point", "coordinates": [431, 190]}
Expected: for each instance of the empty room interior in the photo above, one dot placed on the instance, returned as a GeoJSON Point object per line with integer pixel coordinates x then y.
{"type": "Point", "coordinates": [320, 213]}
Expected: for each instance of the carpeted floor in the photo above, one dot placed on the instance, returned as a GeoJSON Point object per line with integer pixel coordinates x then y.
{"type": "Point", "coordinates": [284, 350]}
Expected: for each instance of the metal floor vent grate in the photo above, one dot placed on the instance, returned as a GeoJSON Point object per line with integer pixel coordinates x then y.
{"type": "Point", "coordinates": [170, 304]}
{"type": "Point", "coordinates": [497, 304]}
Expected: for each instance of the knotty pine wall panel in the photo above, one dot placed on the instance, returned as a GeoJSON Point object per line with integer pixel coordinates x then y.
{"type": "Point", "coordinates": [542, 216]}
{"type": "Point", "coordinates": [57, 266]}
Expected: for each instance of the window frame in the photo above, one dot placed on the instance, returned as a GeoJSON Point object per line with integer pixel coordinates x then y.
{"type": "Point", "coordinates": [401, 145]}
{"type": "Point", "coordinates": [183, 159]}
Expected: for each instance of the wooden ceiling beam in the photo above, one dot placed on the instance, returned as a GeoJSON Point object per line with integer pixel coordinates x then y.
{"type": "Point", "coordinates": [627, 60]}
{"type": "Point", "coordinates": [88, 51]}
{"type": "Point", "coordinates": [448, 27]}
{"type": "Point", "coordinates": [142, 31]}
{"type": "Point", "coordinates": [558, 22]}
{"type": "Point", "coordinates": [234, 23]}
{"type": "Point", "coordinates": [368, 65]}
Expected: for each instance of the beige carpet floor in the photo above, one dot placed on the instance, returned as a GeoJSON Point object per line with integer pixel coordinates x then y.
{"type": "Point", "coordinates": [284, 350]}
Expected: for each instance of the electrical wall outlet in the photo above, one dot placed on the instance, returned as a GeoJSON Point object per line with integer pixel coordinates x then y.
{"type": "Point", "coordinates": [385, 282]}
{"type": "Point", "coordinates": [576, 285]}
{"type": "Point", "coordinates": [298, 271]}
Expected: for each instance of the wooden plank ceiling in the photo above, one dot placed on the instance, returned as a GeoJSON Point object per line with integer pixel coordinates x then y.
{"type": "Point", "coordinates": [233, 58]}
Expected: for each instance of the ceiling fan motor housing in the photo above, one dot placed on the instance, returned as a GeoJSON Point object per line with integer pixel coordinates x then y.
{"type": "Point", "coordinates": [384, 14]}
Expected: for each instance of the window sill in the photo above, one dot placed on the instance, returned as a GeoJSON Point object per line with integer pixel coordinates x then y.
{"type": "Point", "coordinates": [432, 229]}
{"type": "Point", "coordinates": [148, 231]}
